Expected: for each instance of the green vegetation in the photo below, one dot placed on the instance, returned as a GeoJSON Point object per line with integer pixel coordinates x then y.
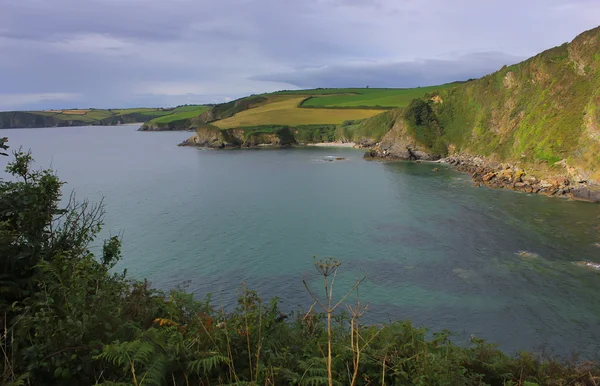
{"type": "Point", "coordinates": [69, 319]}
{"type": "Point", "coordinates": [84, 117]}
{"type": "Point", "coordinates": [378, 98]}
{"type": "Point", "coordinates": [537, 112]}
{"type": "Point", "coordinates": [423, 125]}
{"type": "Point", "coordinates": [324, 107]}
{"type": "Point", "coordinates": [366, 130]}
{"type": "Point", "coordinates": [283, 110]}
{"type": "Point", "coordinates": [179, 114]}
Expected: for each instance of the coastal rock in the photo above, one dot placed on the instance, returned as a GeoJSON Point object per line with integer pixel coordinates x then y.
{"type": "Point", "coordinates": [488, 177]}
{"type": "Point", "coordinates": [587, 193]}
{"type": "Point", "coordinates": [212, 137]}
{"type": "Point", "coordinates": [527, 255]}
{"type": "Point", "coordinates": [398, 144]}
{"type": "Point", "coordinates": [508, 176]}
{"type": "Point", "coordinates": [588, 264]}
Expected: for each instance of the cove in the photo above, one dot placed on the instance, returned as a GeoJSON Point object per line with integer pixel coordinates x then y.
{"type": "Point", "coordinates": [434, 249]}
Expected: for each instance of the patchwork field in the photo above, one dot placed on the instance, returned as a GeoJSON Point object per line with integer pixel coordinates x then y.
{"type": "Point", "coordinates": [284, 110]}
{"type": "Point", "coordinates": [84, 117]}
{"type": "Point", "coordinates": [366, 97]}
{"type": "Point", "coordinates": [180, 113]}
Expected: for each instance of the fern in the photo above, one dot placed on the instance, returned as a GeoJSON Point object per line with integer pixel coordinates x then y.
{"type": "Point", "coordinates": [317, 381]}
{"type": "Point", "coordinates": [123, 354]}
{"type": "Point", "coordinates": [206, 365]}
{"type": "Point", "coordinates": [19, 381]}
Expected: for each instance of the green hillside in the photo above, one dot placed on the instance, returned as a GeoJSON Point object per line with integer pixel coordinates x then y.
{"type": "Point", "coordinates": [382, 98]}
{"type": "Point", "coordinates": [179, 117]}
{"type": "Point", "coordinates": [85, 117]}
{"type": "Point", "coordinates": [535, 113]}
{"type": "Point", "coordinates": [346, 108]}
{"type": "Point", "coordinates": [540, 110]}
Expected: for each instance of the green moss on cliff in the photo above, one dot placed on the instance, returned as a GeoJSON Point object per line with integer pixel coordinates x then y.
{"type": "Point", "coordinates": [366, 130]}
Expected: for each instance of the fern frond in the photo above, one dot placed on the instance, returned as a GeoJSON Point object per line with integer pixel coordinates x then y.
{"type": "Point", "coordinates": [19, 381]}
{"type": "Point", "coordinates": [204, 366]}
{"type": "Point", "coordinates": [315, 381]}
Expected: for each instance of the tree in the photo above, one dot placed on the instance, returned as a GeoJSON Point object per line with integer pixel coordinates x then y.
{"type": "Point", "coordinates": [3, 145]}
{"type": "Point", "coordinates": [57, 300]}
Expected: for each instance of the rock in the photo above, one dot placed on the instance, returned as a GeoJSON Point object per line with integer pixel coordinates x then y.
{"type": "Point", "coordinates": [476, 184]}
{"type": "Point", "coordinates": [527, 254]}
{"type": "Point", "coordinates": [519, 185]}
{"type": "Point", "coordinates": [370, 154]}
{"type": "Point", "coordinates": [587, 193]}
{"type": "Point", "coordinates": [588, 264]}
{"type": "Point", "coordinates": [461, 272]}
{"type": "Point", "coordinates": [436, 169]}
{"type": "Point", "coordinates": [489, 176]}
{"type": "Point", "coordinates": [340, 158]}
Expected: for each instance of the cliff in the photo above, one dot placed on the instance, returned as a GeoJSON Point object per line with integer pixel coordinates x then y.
{"type": "Point", "coordinates": [56, 118]}
{"type": "Point", "coordinates": [541, 116]}
{"type": "Point", "coordinates": [212, 137]}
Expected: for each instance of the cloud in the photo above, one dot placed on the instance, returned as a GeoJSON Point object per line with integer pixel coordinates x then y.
{"type": "Point", "coordinates": [125, 52]}
{"type": "Point", "coordinates": [92, 43]}
{"type": "Point", "coordinates": [421, 72]}
{"type": "Point", "coordinates": [15, 100]}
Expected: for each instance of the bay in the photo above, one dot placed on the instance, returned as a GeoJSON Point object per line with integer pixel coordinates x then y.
{"type": "Point", "coordinates": [433, 249]}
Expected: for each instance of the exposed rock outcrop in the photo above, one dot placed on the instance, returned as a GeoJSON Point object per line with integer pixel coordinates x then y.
{"type": "Point", "coordinates": [400, 145]}
{"type": "Point", "coordinates": [508, 176]}
{"type": "Point", "coordinates": [212, 137]}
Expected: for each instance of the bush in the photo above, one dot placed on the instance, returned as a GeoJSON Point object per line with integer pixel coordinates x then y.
{"type": "Point", "coordinates": [72, 321]}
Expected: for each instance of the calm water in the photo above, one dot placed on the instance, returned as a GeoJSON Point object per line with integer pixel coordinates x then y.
{"type": "Point", "coordinates": [434, 249]}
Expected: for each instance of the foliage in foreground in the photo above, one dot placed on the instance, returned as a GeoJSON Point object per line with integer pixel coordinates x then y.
{"type": "Point", "coordinates": [68, 319]}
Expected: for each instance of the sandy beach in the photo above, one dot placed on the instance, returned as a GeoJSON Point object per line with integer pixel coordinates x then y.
{"type": "Point", "coordinates": [332, 144]}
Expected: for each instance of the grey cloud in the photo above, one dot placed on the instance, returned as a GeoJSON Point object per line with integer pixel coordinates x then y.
{"type": "Point", "coordinates": [133, 52]}
{"type": "Point", "coordinates": [401, 74]}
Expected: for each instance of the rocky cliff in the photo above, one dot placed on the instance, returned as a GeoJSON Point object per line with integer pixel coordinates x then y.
{"type": "Point", "coordinates": [37, 119]}
{"type": "Point", "coordinates": [541, 115]}
{"type": "Point", "coordinates": [399, 143]}
{"type": "Point", "coordinates": [212, 137]}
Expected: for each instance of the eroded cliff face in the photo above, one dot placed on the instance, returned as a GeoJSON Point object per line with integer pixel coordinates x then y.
{"type": "Point", "coordinates": [23, 119]}
{"type": "Point", "coordinates": [540, 117]}
{"type": "Point", "coordinates": [541, 113]}
{"type": "Point", "coordinates": [399, 144]}
{"type": "Point", "coordinates": [178, 125]}
{"type": "Point", "coordinates": [212, 137]}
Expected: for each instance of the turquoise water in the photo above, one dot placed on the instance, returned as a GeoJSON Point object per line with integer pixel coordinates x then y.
{"type": "Point", "coordinates": [433, 248]}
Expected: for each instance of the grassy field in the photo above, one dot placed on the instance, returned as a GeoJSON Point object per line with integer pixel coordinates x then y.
{"type": "Point", "coordinates": [83, 117]}
{"type": "Point", "coordinates": [283, 110]}
{"type": "Point", "coordinates": [180, 113]}
{"type": "Point", "coordinates": [366, 97]}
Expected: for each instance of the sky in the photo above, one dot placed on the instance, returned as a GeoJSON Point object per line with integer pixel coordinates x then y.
{"type": "Point", "coordinates": [132, 53]}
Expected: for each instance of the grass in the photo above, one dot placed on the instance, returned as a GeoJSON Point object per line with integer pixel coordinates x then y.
{"type": "Point", "coordinates": [363, 97]}
{"type": "Point", "coordinates": [535, 113]}
{"type": "Point", "coordinates": [180, 113]}
{"type": "Point", "coordinates": [68, 117]}
{"type": "Point", "coordinates": [284, 111]}
{"type": "Point", "coordinates": [142, 110]}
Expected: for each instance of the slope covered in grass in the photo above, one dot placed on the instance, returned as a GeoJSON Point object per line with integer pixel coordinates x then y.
{"type": "Point", "coordinates": [284, 110]}
{"type": "Point", "coordinates": [78, 117]}
{"type": "Point", "coordinates": [371, 97]}
{"type": "Point", "coordinates": [538, 112]}
{"type": "Point", "coordinates": [179, 115]}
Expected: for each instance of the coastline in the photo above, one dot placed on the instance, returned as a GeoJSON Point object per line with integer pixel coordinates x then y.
{"type": "Point", "coordinates": [508, 176]}
{"type": "Point", "coordinates": [332, 144]}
